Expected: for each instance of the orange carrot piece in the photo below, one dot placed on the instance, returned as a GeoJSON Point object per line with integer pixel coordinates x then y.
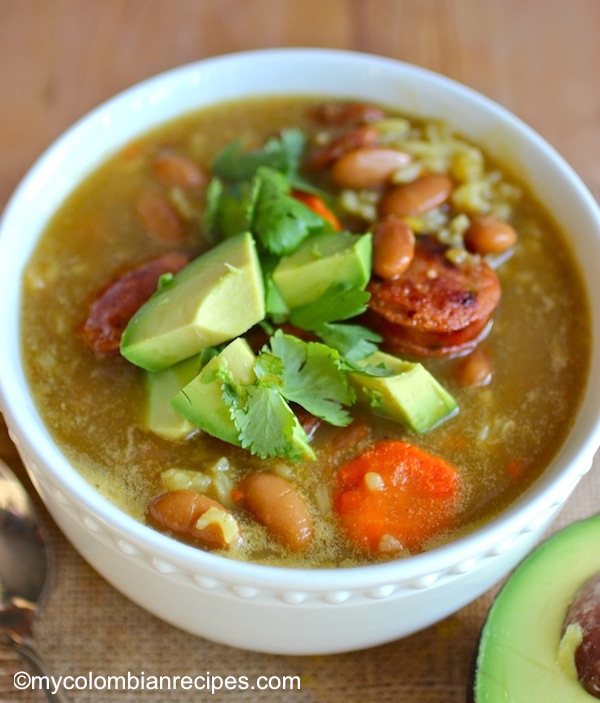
{"type": "Point", "coordinates": [395, 496]}
{"type": "Point", "coordinates": [317, 205]}
{"type": "Point", "coordinates": [236, 495]}
{"type": "Point", "coordinates": [514, 468]}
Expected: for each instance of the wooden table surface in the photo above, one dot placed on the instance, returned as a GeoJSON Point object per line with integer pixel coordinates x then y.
{"type": "Point", "coordinates": [60, 58]}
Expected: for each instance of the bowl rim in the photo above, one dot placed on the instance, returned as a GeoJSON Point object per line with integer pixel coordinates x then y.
{"type": "Point", "coordinates": [41, 447]}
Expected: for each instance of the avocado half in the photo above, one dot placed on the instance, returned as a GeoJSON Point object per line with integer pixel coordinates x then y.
{"type": "Point", "coordinates": [520, 657]}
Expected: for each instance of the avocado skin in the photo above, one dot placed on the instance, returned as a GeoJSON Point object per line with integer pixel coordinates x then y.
{"type": "Point", "coordinates": [517, 658]}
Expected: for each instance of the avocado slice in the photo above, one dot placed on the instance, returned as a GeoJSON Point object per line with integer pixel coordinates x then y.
{"type": "Point", "coordinates": [521, 658]}
{"type": "Point", "coordinates": [321, 261]}
{"type": "Point", "coordinates": [160, 387]}
{"type": "Point", "coordinates": [201, 400]}
{"type": "Point", "coordinates": [215, 298]}
{"type": "Point", "coordinates": [409, 394]}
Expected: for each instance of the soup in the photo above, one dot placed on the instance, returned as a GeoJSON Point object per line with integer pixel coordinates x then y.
{"type": "Point", "coordinates": [409, 329]}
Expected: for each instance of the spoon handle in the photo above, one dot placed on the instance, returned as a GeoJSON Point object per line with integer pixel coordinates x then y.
{"type": "Point", "coordinates": [29, 653]}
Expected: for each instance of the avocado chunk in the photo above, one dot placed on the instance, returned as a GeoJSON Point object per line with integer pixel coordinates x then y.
{"type": "Point", "coordinates": [521, 657]}
{"type": "Point", "coordinates": [410, 394]}
{"type": "Point", "coordinates": [201, 400]}
{"type": "Point", "coordinates": [321, 261]}
{"type": "Point", "coordinates": [160, 387]}
{"type": "Point", "coordinates": [215, 298]}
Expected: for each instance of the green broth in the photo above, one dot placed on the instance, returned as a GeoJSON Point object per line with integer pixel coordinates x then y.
{"type": "Point", "coordinates": [502, 439]}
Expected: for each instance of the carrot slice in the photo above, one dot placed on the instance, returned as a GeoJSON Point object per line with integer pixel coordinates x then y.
{"type": "Point", "coordinates": [394, 496]}
{"type": "Point", "coordinates": [318, 206]}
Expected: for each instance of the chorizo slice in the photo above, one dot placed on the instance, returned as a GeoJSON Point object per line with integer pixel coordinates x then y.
{"type": "Point", "coordinates": [401, 339]}
{"type": "Point", "coordinates": [436, 307]}
{"type": "Point", "coordinates": [114, 305]}
{"type": "Point", "coordinates": [345, 114]}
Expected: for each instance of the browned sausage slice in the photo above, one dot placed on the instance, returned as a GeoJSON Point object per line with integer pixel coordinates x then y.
{"type": "Point", "coordinates": [345, 114]}
{"type": "Point", "coordinates": [116, 303]}
{"type": "Point", "coordinates": [435, 307]}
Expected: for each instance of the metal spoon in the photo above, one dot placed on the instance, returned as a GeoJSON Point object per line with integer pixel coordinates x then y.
{"type": "Point", "coordinates": [25, 568]}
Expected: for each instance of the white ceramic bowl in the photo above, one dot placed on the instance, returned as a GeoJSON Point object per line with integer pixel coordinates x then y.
{"type": "Point", "coordinates": [265, 608]}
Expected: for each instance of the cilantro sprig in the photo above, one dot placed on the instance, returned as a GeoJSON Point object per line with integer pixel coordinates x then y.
{"type": "Point", "coordinates": [251, 190]}
{"type": "Point", "coordinates": [280, 222]}
{"type": "Point", "coordinates": [288, 370]}
{"type": "Point", "coordinates": [264, 206]}
{"type": "Point", "coordinates": [354, 342]}
{"type": "Point", "coordinates": [339, 302]}
{"type": "Point", "coordinates": [283, 154]}
{"type": "Point", "coordinates": [267, 425]}
{"type": "Point", "coordinates": [314, 376]}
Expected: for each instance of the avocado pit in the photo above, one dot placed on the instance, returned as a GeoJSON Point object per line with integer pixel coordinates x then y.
{"type": "Point", "coordinates": [541, 638]}
{"type": "Point", "coordinates": [582, 628]}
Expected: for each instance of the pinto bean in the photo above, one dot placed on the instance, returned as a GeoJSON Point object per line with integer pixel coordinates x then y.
{"type": "Point", "coordinates": [322, 157]}
{"type": "Point", "coordinates": [337, 114]}
{"type": "Point", "coordinates": [490, 235]}
{"type": "Point", "coordinates": [160, 218]}
{"type": "Point", "coordinates": [475, 369]}
{"type": "Point", "coordinates": [196, 517]}
{"type": "Point", "coordinates": [114, 305]}
{"type": "Point", "coordinates": [279, 506]}
{"type": "Point", "coordinates": [176, 170]}
{"type": "Point", "coordinates": [584, 615]}
{"type": "Point", "coordinates": [367, 167]}
{"type": "Point", "coordinates": [393, 248]}
{"type": "Point", "coordinates": [416, 197]}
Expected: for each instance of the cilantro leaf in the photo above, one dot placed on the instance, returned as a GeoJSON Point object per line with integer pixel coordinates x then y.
{"type": "Point", "coordinates": [281, 153]}
{"type": "Point", "coordinates": [269, 366]}
{"type": "Point", "coordinates": [339, 302]}
{"type": "Point", "coordinates": [233, 393]}
{"type": "Point", "coordinates": [267, 424]}
{"type": "Point", "coordinates": [211, 208]}
{"type": "Point", "coordinates": [275, 306]}
{"type": "Point", "coordinates": [230, 209]}
{"type": "Point", "coordinates": [281, 222]}
{"type": "Point", "coordinates": [263, 205]}
{"type": "Point", "coordinates": [354, 342]}
{"type": "Point", "coordinates": [313, 376]}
